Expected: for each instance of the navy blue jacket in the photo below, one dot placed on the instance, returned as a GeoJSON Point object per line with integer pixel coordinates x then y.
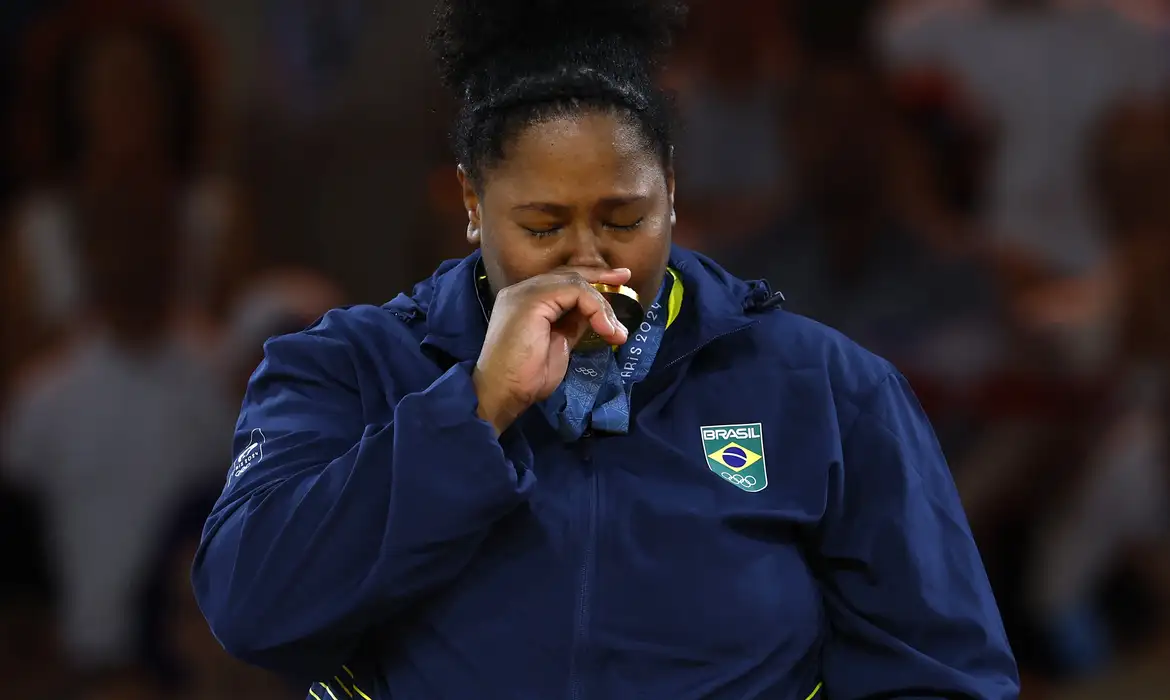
{"type": "Point", "coordinates": [377, 540]}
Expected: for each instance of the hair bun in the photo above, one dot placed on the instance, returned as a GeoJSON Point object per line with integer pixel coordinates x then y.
{"type": "Point", "coordinates": [471, 34]}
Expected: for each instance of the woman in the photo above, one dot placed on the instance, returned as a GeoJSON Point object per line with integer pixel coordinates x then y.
{"type": "Point", "coordinates": [438, 498]}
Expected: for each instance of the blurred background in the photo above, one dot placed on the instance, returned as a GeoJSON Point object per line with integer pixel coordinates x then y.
{"type": "Point", "coordinates": [979, 191]}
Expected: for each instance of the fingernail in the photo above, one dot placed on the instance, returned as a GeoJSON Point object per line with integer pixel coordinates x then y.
{"type": "Point", "coordinates": [621, 326]}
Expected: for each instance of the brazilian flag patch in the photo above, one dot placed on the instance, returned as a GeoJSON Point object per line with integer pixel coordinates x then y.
{"type": "Point", "coordinates": [736, 453]}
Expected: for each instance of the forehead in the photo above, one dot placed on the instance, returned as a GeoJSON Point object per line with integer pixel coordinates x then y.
{"type": "Point", "coordinates": [575, 157]}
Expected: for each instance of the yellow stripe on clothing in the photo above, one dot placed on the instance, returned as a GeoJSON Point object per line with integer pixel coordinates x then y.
{"type": "Point", "coordinates": [674, 301]}
{"type": "Point", "coordinates": [352, 679]}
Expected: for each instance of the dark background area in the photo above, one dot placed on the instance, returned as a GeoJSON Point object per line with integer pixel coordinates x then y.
{"type": "Point", "coordinates": [979, 191]}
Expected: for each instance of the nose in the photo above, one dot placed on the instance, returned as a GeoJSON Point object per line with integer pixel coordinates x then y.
{"type": "Point", "coordinates": [584, 248]}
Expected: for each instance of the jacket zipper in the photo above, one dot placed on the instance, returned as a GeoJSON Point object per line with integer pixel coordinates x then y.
{"type": "Point", "coordinates": [576, 687]}
{"type": "Point", "coordinates": [580, 634]}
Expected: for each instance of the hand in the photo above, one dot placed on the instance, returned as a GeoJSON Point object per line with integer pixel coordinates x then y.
{"type": "Point", "coordinates": [533, 328]}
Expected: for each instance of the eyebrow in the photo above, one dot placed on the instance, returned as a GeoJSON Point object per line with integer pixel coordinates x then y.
{"type": "Point", "coordinates": [553, 208]}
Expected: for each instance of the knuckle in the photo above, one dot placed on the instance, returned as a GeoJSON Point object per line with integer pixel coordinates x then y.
{"type": "Point", "coordinates": [507, 300]}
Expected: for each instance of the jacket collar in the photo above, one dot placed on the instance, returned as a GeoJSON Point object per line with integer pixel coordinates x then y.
{"type": "Point", "coordinates": [714, 304]}
{"type": "Point", "coordinates": [456, 324]}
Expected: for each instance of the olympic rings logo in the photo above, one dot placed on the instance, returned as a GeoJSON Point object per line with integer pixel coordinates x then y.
{"type": "Point", "coordinates": [587, 371]}
{"type": "Point", "coordinates": [739, 479]}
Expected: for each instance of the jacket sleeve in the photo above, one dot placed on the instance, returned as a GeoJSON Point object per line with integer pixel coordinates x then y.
{"type": "Point", "coordinates": [911, 612]}
{"type": "Point", "coordinates": [328, 526]}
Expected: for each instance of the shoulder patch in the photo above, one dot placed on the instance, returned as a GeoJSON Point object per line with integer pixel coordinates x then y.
{"type": "Point", "coordinates": [252, 454]}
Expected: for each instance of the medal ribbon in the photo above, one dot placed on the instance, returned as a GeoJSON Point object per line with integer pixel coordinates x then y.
{"type": "Point", "coordinates": [596, 389]}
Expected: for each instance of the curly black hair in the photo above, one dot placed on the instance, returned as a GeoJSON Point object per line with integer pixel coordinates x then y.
{"type": "Point", "coordinates": [513, 63]}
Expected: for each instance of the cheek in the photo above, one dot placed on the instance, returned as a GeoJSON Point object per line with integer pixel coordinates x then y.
{"type": "Point", "coordinates": [646, 254]}
{"type": "Point", "coordinates": [508, 259]}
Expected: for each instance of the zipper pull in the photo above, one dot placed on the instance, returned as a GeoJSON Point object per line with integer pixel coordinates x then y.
{"type": "Point", "coordinates": [585, 446]}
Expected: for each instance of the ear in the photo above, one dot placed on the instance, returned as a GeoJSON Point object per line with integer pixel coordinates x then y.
{"type": "Point", "coordinates": [471, 204]}
{"type": "Point", "coordinates": [670, 192]}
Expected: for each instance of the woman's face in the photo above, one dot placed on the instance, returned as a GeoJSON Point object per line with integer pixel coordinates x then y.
{"type": "Point", "coordinates": [582, 191]}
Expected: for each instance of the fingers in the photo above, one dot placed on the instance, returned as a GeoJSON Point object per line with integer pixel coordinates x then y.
{"type": "Point", "coordinates": [606, 325]}
{"type": "Point", "coordinates": [596, 310]}
{"type": "Point", "coordinates": [597, 275]}
{"type": "Point", "coordinates": [576, 297]}
{"type": "Point", "coordinates": [570, 293]}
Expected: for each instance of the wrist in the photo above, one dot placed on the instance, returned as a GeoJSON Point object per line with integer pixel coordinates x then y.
{"type": "Point", "coordinates": [493, 407]}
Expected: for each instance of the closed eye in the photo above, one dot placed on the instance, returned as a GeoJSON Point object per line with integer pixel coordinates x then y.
{"type": "Point", "coordinates": [542, 232]}
{"type": "Point", "coordinates": [626, 227]}
{"type": "Point", "coordinates": [550, 230]}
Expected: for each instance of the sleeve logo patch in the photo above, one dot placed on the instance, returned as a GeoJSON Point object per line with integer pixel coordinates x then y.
{"type": "Point", "coordinates": [252, 454]}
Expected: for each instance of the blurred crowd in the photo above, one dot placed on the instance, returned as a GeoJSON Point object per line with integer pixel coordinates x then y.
{"type": "Point", "coordinates": [978, 191]}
